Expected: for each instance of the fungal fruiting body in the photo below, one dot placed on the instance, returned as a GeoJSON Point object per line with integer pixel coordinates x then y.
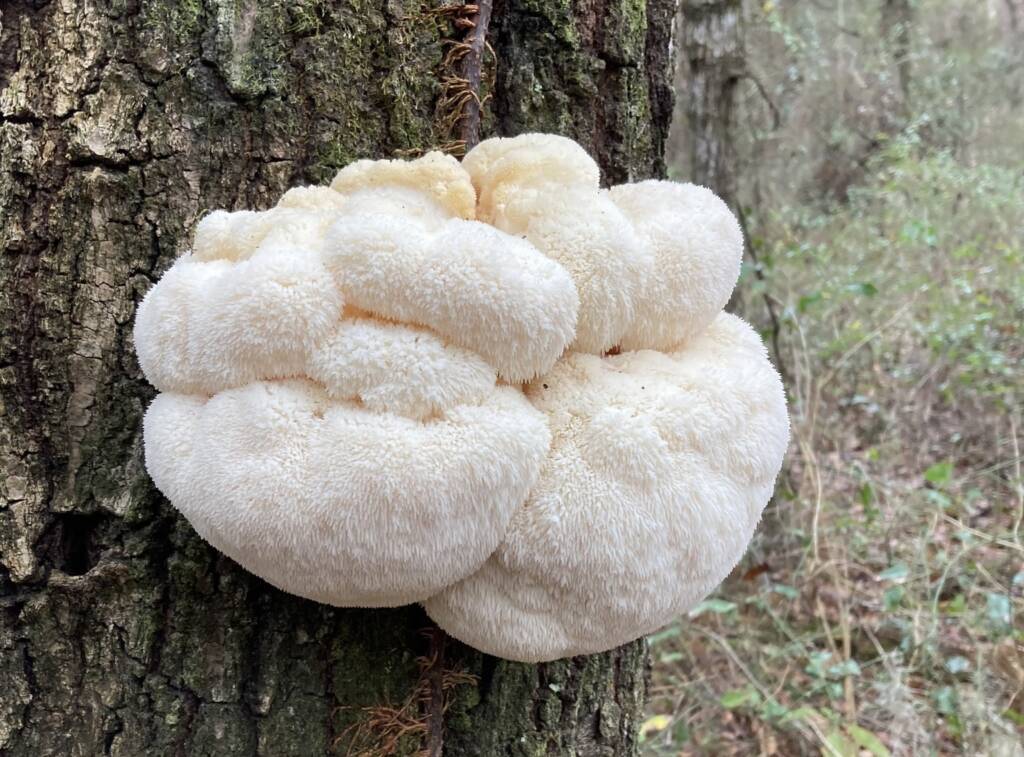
{"type": "Point", "coordinates": [329, 416]}
{"type": "Point", "coordinates": [492, 387]}
{"type": "Point", "coordinates": [659, 467]}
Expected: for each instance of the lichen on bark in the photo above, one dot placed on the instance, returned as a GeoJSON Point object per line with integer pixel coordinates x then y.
{"type": "Point", "coordinates": [121, 123]}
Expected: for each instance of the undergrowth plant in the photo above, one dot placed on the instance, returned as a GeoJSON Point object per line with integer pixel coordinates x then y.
{"type": "Point", "coordinates": [880, 608]}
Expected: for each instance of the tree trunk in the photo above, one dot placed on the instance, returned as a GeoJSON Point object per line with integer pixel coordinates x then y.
{"type": "Point", "coordinates": [1014, 33]}
{"type": "Point", "coordinates": [896, 19]}
{"type": "Point", "coordinates": [711, 63]}
{"type": "Point", "coordinates": [121, 123]}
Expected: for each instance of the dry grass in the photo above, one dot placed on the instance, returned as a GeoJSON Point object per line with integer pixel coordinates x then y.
{"type": "Point", "coordinates": [863, 611]}
{"type": "Point", "coordinates": [388, 730]}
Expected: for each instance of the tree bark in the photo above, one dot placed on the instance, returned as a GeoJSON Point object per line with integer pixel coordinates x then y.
{"type": "Point", "coordinates": [896, 19]}
{"type": "Point", "coordinates": [1014, 33]}
{"type": "Point", "coordinates": [711, 63]}
{"type": "Point", "coordinates": [121, 123]}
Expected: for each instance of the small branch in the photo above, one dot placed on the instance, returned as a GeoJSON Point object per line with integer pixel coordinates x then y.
{"type": "Point", "coordinates": [776, 116]}
{"type": "Point", "coordinates": [472, 65]}
{"type": "Point", "coordinates": [434, 674]}
{"type": "Point", "coordinates": [773, 317]}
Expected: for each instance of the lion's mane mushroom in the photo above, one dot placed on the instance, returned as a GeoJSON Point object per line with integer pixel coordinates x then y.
{"type": "Point", "coordinates": [660, 465]}
{"type": "Point", "coordinates": [330, 415]}
{"type": "Point", "coordinates": [654, 262]}
{"type": "Point", "coordinates": [545, 189]}
{"type": "Point", "coordinates": [663, 456]}
{"type": "Point", "coordinates": [341, 409]}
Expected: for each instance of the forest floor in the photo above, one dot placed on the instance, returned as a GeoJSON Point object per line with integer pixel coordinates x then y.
{"type": "Point", "coordinates": [879, 608]}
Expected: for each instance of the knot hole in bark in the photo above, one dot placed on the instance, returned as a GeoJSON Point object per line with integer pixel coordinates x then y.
{"type": "Point", "coordinates": [71, 543]}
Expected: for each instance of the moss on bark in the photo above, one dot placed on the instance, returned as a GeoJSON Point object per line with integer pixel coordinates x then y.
{"type": "Point", "coordinates": [121, 123]}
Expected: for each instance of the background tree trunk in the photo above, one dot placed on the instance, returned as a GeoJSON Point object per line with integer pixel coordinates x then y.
{"type": "Point", "coordinates": [121, 123]}
{"type": "Point", "coordinates": [711, 63]}
{"type": "Point", "coordinates": [897, 18]}
{"type": "Point", "coordinates": [1014, 31]}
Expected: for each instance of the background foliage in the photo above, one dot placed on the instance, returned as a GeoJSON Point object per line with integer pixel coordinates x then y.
{"type": "Point", "coordinates": [880, 161]}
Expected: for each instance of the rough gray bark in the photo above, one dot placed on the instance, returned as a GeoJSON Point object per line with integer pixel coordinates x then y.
{"type": "Point", "coordinates": [1015, 15]}
{"type": "Point", "coordinates": [710, 64]}
{"type": "Point", "coordinates": [896, 20]}
{"type": "Point", "coordinates": [121, 123]}
{"type": "Point", "coordinates": [1015, 42]}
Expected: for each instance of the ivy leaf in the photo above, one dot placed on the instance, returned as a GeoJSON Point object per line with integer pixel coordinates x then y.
{"type": "Point", "coordinates": [945, 700]}
{"type": "Point", "coordinates": [800, 713]}
{"type": "Point", "coordinates": [865, 288]}
{"type": "Point", "coordinates": [787, 591]}
{"type": "Point", "coordinates": [738, 697]}
{"type": "Point", "coordinates": [939, 474]}
{"type": "Point", "coordinates": [807, 300]}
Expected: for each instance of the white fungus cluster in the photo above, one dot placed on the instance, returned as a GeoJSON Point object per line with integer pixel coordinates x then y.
{"type": "Point", "coordinates": [492, 387]}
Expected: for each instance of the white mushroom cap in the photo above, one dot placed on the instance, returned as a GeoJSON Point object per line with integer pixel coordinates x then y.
{"type": "Point", "coordinates": [269, 287]}
{"type": "Point", "coordinates": [392, 368]}
{"type": "Point", "coordinates": [660, 465]}
{"type": "Point", "coordinates": [403, 250]}
{"type": "Point", "coordinates": [480, 288]}
{"type": "Point", "coordinates": [585, 233]}
{"type": "Point", "coordinates": [505, 169]}
{"type": "Point", "coordinates": [333, 416]}
{"type": "Point", "coordinates": [339, 504]}
{"type": "Point", "coordinates": [698, 248]}
{"type": "Point", "coordinates": [435, 178]}
{"type": "Point", "coordinates": [545, 189]}
{"type": "Point", "coordinates": [211, 326]}
{"type": "Point", "coordinates": [312, 198]}
{"type": "Point", "coordinates": [235, 236]}
{"type": "Point", "coordinates": [653, 262]}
